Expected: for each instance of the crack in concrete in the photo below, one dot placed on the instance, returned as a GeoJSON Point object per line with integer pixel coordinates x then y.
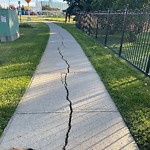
{"type": "Point", "coordinates": [64, 82]}
{"type": "Point", "coordinates": [22, 148]}
{"type": "Point", "coordinates": [68, 68]}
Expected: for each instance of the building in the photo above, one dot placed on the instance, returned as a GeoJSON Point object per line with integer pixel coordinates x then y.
{"type": "Point", "coordinates": [60, 5]}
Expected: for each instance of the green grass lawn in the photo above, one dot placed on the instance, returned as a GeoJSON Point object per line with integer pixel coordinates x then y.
{"type": "Point", "coordinates": [18, 61]}
{"type": "Point", "coordinates": [129, 88]}
{"type": "Point", "coordinates": [24, 18]}
{"type": "Point", "coordinates": [41, 18]}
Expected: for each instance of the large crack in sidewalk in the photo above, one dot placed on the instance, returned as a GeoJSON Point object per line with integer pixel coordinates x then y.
{"type": "Point", "coordinates": [64, 82]}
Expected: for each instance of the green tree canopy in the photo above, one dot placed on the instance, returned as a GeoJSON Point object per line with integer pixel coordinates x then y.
{"type": "Point", "coordinates": [96, 5]}
{"type": "Point", "coordinates": [133, 4]}
{"type": "Point", "coordinates": [46, 7]}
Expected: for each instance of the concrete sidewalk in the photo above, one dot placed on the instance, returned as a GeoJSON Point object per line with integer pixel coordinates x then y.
{"type": "Point", "coordinates": [66, 105]}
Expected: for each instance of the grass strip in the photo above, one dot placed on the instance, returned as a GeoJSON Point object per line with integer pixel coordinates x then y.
{"type": "Point", "coordinates": [18, 61]}
{"type": "Point", "coordinates": [128, 87]}
{"type": "Point", "coordinates": [24, 18]}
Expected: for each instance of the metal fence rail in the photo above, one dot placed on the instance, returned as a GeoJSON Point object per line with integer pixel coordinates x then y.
{"type": "Point", "coordinates": [127, 34]}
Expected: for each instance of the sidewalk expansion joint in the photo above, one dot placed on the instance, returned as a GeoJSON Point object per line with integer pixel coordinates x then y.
{"type": "Point", "coordinates": [38, 113]}
{"type": "Point", "coordinates": [64, 82]}
{"type": "Point", "coordinates": [60, 112]}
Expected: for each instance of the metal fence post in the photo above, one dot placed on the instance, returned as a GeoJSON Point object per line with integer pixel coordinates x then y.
{"type": "Point", "coordinates": [83, 23]}
{"type": "Point", "coordinates": [89, 29]}
{"type": "Point", "coordinates": [77, 21]}
{"type": "Point", "coordinates": [107, 27]}
{"type": "Point", "coordinates": [123, 30]}
{"type": "Point", "coordinates": [96, 35]}
{"type": "Point", "coordinates": [148, 66]}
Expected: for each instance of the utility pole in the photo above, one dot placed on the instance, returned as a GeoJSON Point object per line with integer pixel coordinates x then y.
{"type": "Point", "coordinates": [19, 10]}
{"type": "Point", "coordinates": [28, 1]}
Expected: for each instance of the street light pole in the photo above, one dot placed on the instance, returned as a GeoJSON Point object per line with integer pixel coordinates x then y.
{"type": "Point", "coordinates": [19, 10]}
{"type": "Point", "coordinates": [29, 19]}
{"type": "Point", "coordinates": [28, 1]}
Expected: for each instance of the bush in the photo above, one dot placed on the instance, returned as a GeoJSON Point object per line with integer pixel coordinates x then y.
{"type": "Point", "coordinates": [25, 25]}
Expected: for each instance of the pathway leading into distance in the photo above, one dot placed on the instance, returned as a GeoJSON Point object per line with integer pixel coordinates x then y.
{"type": "Point", "coordinates": [66, 106]}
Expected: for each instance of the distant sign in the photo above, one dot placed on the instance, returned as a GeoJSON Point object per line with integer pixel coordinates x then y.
{"type": "Point", "coordinates": [3, 18]}
{"type": "Point", "coordinates": [28, 1]}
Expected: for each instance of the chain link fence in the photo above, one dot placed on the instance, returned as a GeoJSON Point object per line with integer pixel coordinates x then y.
{"type": "Point", "coordinates": [125, 33]}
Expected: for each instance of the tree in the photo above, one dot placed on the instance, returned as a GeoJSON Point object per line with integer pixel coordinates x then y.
{"type": "Point", "coordinates": [74, 6]}
{"type": "Point", "coordinates": [46, 7]}
{"type": "Point", "coordinates": [82, 5]}
{"type": "Point", "coordinates": [96, 5]}
{"type": "Point", "coordinates": [133, 4]}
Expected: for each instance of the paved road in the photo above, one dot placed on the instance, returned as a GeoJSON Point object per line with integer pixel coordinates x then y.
{"type": "Point", "coordinates": [66, 106]}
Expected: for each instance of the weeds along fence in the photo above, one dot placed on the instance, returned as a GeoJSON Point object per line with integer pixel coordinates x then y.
{"type": "Point", "coordinates": [127, 34]}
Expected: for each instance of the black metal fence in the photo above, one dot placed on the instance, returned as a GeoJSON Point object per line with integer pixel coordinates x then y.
{"type": "Point", "coordinates": [127, 34]}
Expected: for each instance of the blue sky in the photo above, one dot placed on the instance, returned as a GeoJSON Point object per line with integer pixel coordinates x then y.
{"type": "Point", "coordinates": [23, 2]}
